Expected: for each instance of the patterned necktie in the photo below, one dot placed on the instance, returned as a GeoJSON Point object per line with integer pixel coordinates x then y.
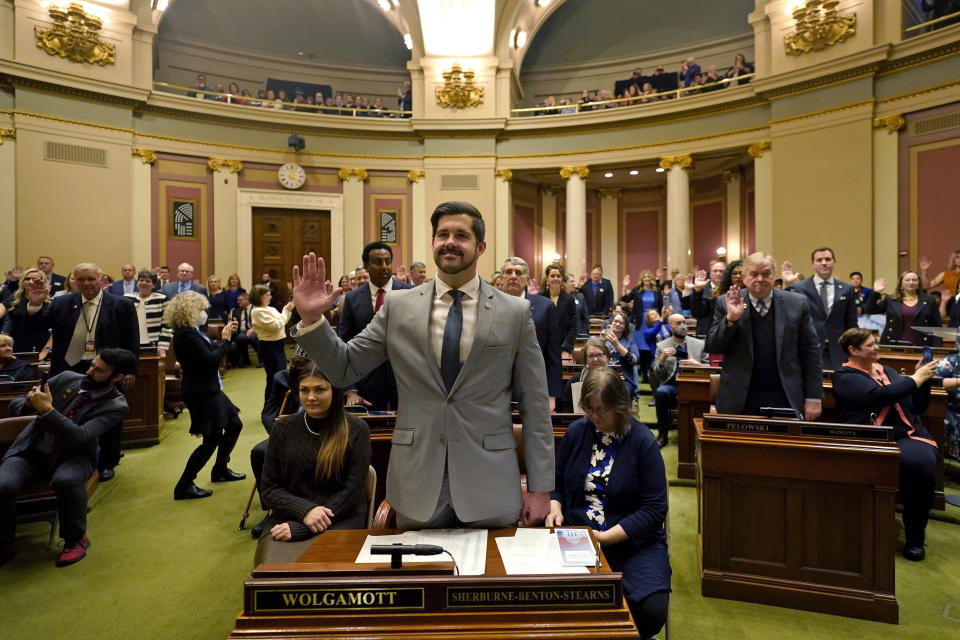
{"type": "Point", "coordinates": [380, 294]}
{"type": "Point", "coordinates": [761, 307]}
{"type": "Point", "coordinates": [450, 352]}
{"type": "Point", "coordinates": [56, 449]}
{"type": "Point", "coordinates": [823, 296]}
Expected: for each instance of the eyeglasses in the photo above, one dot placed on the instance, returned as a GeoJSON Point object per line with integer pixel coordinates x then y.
{"type": "Point", "coordinates": [596, 411]}
{"type": "Point", "coordinates": [596, 356]}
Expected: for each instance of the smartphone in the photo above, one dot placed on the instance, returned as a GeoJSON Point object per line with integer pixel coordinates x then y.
{"type": "Point", "coordinates": [927, 355]}
{"type": "Point", "coordinates": [44, 375]}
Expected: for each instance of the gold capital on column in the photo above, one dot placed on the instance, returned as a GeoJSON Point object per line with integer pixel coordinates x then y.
{"type": "Point", "coordinates": [582, 171]}
{"type": "Point", "coordinates": [414, 175]}
{"type": "Point", "coordinates": [345, 174]}
{"type": "Point", "coordinates": [609, 192]}
{"type": "Point", "coordinates": [731, 175]}
{"type": "Point", "coordinates": [757, 148]}
{"type": "Point", "coordinates": [215, 164]}
{"type": "Point", "coordinates": [7, 133]}
{"type": "Point", "coordinates": [892, 123]}
{"type": "Point", "coordinates": [683, 161]}
{"type": "Point", "coordinates": [147, 156]}
{"type": "Point", "coordinates": [504, 174]}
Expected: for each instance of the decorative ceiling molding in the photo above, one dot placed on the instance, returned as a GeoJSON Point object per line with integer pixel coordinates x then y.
{"type": "Point", "coordinates": [216, 164]}
{"type": "Point", "coordinates": [684, 160]}
{"type": "Point", "coordinates": [757, 148]}
{"type": "Point", "coordinates": [360, 174]}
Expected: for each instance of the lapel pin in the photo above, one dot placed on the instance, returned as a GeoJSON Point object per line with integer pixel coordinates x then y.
{"type": "Point", "coordinates": [486, 305]}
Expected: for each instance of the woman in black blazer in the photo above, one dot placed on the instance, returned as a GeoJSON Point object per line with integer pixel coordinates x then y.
{"type": "Point", "coordinates": [626, 504]}
{"type": "Point", "coordinates": [28, 320]}
{"type": "Point", "coordinates": [910, 307]}
{"type": "Point", "coordinates": [212, 415]}
{"type": "Point", "coordinates": [870, 393]}
{"type": "Point", "coordinates": [566, 308]}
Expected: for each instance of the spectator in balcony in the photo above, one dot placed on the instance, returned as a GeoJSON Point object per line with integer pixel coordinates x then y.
{"type": "Point", "coordinates": [689, 69]}
{"type": "Point", "coordinates": [318, 100]}
{"type": "Point", "coordinates": [310, 103]}
{"type": "Point", "coordinates": [649, 93]}
{"type": "Point", "coordinates": [659, 79]}
{"type": "Point", "coordinates": [711, 79]}
{"type": "Point", "coordinates": [405, 99]}
{"type": "Point", "coordinates": [338, 102]}
{"type": "Point", "coordinates": [740, 68]}
{"type": "Point", "coordinates": [550, 106]}
{"type": "Point", "coordinates": [940, 8]}
{"type": "Point", "coordinates": [349, 105]}
{"type": "Point", "coordinates": [271, 101]}
{"type": "Point", "coordinates": [234, 90]}
{"type": "Point", "coordinates": [218, 90]}
{"type": "Point", "coordinates": [585, 100]}
{"type": "Point", "coordinates": [378, 108]}
{"type": "Point", "coordinates": [606, 96]}
{"type": "Point", "coordinates": [283, 101]}
{"type": "Point", "coordinates": [248, 98]}
{"type": "Point", "coordinates": [261, 96]}
{"type": "Point", "coordinates": [568, 107]}
{"type": "Point", "coordinates": [300, 102]}
{"type": "Point", "coordinates": [199, 85]}
{"type": "Point", "coordinates": [632, 95]}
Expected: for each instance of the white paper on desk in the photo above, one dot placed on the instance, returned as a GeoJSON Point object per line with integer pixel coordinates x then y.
{"type": "Point", "coordinates": [535, 551]}
{"type": "Point", "coordinates": [467, 546]}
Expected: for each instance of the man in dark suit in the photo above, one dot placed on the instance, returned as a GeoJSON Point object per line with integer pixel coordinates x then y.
{"type": "Point", "coordinates": [833, 305]}
{"type": "Point", "coordinates": [55, 280]}
{"type": "Point", "coordinates": [127, 284]}
{"type": "Point", "coordinates": [184, 282]}
{"type": "Point", "coordinates": [378, 389]}
{"type": "Point", "coordinates": [245, 337]}
{"type": "Point", "coordinates": [85, 323]}
{"type": "Point", "coordinates": [516, 274]}
{"type": "Point", "coordinates": [698, 294]}
{"type": "Point", "coordinates": [771, 352]}
{"type": "Point", "coordinates": [60, 445]}
{"type": "Point", "coordinates": [598, 292]}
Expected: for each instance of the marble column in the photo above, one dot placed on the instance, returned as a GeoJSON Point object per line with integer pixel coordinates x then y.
{"type": "Point", "coordinates": [678, 211]}
{"type": "Point", "coordinates": [225, 219]}
{"type": "Point", "coordinates": [141, 250]}
{"type": "Point", "coordinates": [352, 217]}
{"type": "Point", "coordinates": [762, 154]}
{"type": "Point", "coordinates": [575, 238]}
{"type": "Point", "coordinates": [421, 233]}
{"type": "Point", "coordinates": [548, 227]}
{"type": "Point", "coordinates": [609, 236]}
{"type": "Point", "coordinates": [886, 179]}
{"type": "Point", "coordinates": [733, 179]}
{"type": "Point", "coordinates": [503, 216]}
{"type": "Point", "coordinates": [8, 199]}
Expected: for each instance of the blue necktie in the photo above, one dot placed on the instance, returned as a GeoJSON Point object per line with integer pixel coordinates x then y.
{"type": "Point", "coordinates": [450, 351]}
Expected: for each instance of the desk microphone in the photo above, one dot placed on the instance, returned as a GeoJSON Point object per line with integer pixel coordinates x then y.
{"type": "Point", "coordinates": [406, 549]}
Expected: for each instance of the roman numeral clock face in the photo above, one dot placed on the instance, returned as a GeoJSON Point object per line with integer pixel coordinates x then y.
{"type": "Point", "coordinates": [291, 175]}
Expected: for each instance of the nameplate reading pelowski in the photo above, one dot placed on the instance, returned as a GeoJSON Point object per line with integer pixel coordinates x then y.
{"type": "Point", "coordinates": [746, 426]}
{"type": "Point", "coordinates": [274, 600]}
{"type": "Point", "coordinates": [507, 597]}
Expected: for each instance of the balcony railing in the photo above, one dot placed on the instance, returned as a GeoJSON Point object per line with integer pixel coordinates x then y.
{"type": "Point", "coordinates": [913, 15]}
{"type": "Point", "coordinates": [250, 102]}
{"type": "Point", "coordinates": [638, 100]}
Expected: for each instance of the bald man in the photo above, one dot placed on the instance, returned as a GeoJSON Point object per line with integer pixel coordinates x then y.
{"type": "Point", "coordinates": [184, 282]}
{"type": "Point", "coordinates": [678, 349]}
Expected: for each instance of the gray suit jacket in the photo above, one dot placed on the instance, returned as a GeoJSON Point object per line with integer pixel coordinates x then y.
{"type": "Point", "coordinates": [660, 373]}
{"type": "Point", "coordinates": [470, 431]}
{"type": "Point", "coordinates": [798, 352]}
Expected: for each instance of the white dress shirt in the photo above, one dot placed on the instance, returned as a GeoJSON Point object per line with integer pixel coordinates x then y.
{"type": "Point", "coordinates": [767, 302]}
{"type": "Point", "coordinates": [387, 288]}
{"type": "Point", "coordinates": [817, 280]}
{"type": "Point", "coordinates": [438, 317]}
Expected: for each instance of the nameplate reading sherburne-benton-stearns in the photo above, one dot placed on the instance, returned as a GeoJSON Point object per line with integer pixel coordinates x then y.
{"type": "Point", "coordinates": [508, 596]}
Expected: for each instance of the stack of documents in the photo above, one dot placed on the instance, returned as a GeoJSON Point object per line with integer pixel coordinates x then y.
{"type": "Point", "coordinates": [467, 546]}
{"type": "Point", "coordinates": [535, 551]}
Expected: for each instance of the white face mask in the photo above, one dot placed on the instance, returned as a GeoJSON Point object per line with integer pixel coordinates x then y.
{"type": "Point", "coordinates": [202, 319]}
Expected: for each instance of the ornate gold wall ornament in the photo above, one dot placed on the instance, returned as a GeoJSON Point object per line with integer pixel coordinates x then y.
{"type": "Point", "coordinates": [609, 192]}
{"type": "Point", "coordinates": [75, 35]}
{"type": "Point", "coordinates": [892, 124]}
{"type": "Point", "coordinates": [7, 133]}
{"type": "Point", "coordinates": [416, 175]}
{"type": "Point", "coordinates": [757, 148]}
{"type": "Point", "coordinates": [504, 174]}
{"type": "Point", "coordinates": [731, 175]}
{"type": "Point", "coordinates": [683, 161]}
{"type": "Point", "coordinates": [819, 25]}
{"type": "Point", "coordinates": [360, 174]}
{"type": "Point", "coordinates": [147, 156]}
{"type": "Point", "coordinates": [566, 172]}
{"type": "Point", "coordinates": [458, 90]}
{"type": "Point", "coordinates": [215, 164]}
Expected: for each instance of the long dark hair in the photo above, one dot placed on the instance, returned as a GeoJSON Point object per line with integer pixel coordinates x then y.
{"type": "Point", "coordinates": [546, 276]}
{"type": "Point", "coordinates": [727, 280]}
{"type": "Point", "coordinates": [334, 447]}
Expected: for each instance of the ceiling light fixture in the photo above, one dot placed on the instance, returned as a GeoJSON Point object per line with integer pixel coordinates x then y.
{"type": "Point", "coordinates": [384, 4]}
{"type": "Point", "coordinates": [608, 175]}
{"type": "Point", "coordinates": [721, 251]}
{"type": "Point", "coordinates": [521, 39]}
{"type": "Point", "coordinates": [407, 40]}
{"type": "Point", "coordinates": [634, 172]}
{"type": "Point", "coordinates": [543, 3]}
{"type": "Point", "coordinates": [660, 169]}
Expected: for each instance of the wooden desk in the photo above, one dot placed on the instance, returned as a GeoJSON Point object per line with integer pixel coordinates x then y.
{"type": "Point", "coordinates": [311, 599]}
{"type": "Point", "coordinates": [798, 521]}
{"type": "Point", "coordinates": [693, 401]}
{"type": "Point", "coordinates": [570, 370]}
{"type": "Point", "coordinates": [143, 422]}
{"type": "Point", "coordinates": [11, 390]}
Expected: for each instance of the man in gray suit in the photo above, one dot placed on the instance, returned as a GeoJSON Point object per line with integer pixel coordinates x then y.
{"type": "Point", "coordinates": [678, 349]}
{"type": "Point", "coordinates": [771, 352]}
{"type": "Point", "coordinates": [460, 350]}
{"type": "Point", "coordinates": [184, 282]}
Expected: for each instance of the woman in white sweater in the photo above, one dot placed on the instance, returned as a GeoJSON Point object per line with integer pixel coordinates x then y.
{"type": "Point", "coordinates": [270, 327]}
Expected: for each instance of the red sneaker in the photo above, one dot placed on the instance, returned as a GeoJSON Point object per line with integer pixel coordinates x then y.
{"type": "Point", "coordinates": [74, 552]}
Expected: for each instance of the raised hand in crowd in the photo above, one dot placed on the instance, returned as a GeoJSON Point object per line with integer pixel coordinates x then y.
{"type": "Point", "coordinates": [659, 273]}
{"type": "Point", "coordinates": [925, 263]}
{"type": "Point", "coordinates": [735, 305]}
{"type": "Point", "coordinates": [688, 285]}
{"type": "Point", "coordinates": [626, 284]}
{"type": "Point", "coordinates": [402, 274]}
{"type": "Point", "coordinates": [667, 311]}
{"type": "Point", "coordinates": [700, 280]}
{"type": "Point", "coordinates": [879, 286]}
{"type": "Point", "coordinates": [787, 274]}
{"type": "Point", "coordinates": [582, 279]}
{"type": "Point", "coordinates": [313, 294]}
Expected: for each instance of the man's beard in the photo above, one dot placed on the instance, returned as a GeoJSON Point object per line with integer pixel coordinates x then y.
{"type": "Point", "coordinates": [89, 384]}
{"type": "Point", "coordinates": [453, 270]}
{"type": "Point", "coordinates": [680, 332]}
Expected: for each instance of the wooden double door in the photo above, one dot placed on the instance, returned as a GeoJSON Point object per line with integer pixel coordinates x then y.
{"type": "Point", "coordinates": [280, 239]}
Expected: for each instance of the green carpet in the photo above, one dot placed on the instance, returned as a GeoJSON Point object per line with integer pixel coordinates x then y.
{"type": "Point", "coordinates": [164, 569]}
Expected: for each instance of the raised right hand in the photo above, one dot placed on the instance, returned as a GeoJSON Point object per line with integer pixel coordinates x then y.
{"type": "Point", "coordinates": [735, 306]}
{"type": "Point", "coordinates": [700, 281]}
{"type": "Point", "coordinates": [787, 274]}
{"type": "Point", "coordinates": [879, 285]}
{"type": "Point", "coordinates": [925, 263]}
{"type": "Point", "coordinates": [313, 294]}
